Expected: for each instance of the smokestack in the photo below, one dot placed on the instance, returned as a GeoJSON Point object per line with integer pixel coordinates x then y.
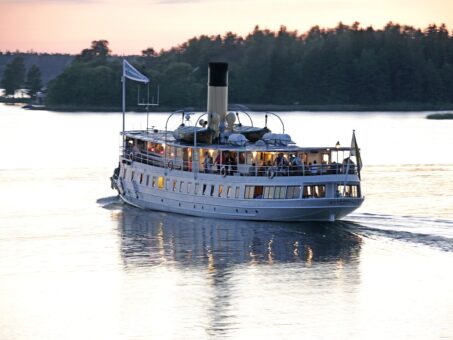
{"type": "Point", "coordinates": [217, 94]}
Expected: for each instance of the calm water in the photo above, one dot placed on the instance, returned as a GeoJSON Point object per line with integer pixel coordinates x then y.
{"type": "Point", "coordinates": [75, 263]}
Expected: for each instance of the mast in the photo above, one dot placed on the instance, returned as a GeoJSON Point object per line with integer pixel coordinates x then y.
{"type": "Point", "coordinates": [123, 79]}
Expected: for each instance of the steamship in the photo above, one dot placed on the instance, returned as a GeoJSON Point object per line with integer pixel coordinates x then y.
{"type": "Point", "coordinates": [216, 167]}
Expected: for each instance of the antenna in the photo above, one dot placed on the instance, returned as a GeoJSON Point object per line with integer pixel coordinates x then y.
{"type": "Point", "coordinates": [148, 103]}
{"type": "Point", "coordinates": [152, 103]}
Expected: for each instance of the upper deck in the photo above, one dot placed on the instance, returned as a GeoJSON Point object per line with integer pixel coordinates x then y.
{"type": "Point", "coordinates": [161, 149]}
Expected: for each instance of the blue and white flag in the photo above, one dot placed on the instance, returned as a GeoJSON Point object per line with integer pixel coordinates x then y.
{"type": "Point", "coordinates": [131, 72]}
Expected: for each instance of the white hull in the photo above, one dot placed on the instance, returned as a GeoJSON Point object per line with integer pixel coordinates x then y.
{"type": "Point", "coordinates": [215, 205]}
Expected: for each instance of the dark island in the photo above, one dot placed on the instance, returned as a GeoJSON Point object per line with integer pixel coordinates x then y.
{"type": "Point", "coordinates": [440, 116]}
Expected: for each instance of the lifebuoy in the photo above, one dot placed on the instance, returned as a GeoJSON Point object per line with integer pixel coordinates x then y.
{"type": "Point", "coordinates": [170, 165]}
{"type": "Point", "coordinates": [223, 171]}
{"type": "Point", "coordinates": [271, 173]}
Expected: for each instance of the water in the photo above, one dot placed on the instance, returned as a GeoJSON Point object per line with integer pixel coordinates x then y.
{"type": "Point", "coordinates": [76, 263]}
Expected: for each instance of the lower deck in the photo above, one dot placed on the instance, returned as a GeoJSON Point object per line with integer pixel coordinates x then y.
{"type": "Point", "coordinates": [295, 198]}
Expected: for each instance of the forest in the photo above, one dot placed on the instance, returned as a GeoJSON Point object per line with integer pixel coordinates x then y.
{"type": "Point", "coordinates": [345, 65]}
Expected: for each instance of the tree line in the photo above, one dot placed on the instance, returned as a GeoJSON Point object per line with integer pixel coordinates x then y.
{"type": "Point", "coordinates": [342, 65]}
{"type": "Point", "coordinates": [16, 76]}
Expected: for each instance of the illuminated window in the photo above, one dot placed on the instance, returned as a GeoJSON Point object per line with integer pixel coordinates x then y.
{"type": "Point", "coordinates": [153, 184]}
{"type": "Point", "coordinates": [220, 190]}
{"type": "Point", "coordinates": [348, 190]}
{"type": "Point", "coordinates": [314, 191]}
{"type": "Point", "coordinates": [160, 182]}
{"type": "Point", "coordinates": [174, 185]}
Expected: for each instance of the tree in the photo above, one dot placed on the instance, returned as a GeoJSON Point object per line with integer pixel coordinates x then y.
{"type": "Point", "coordinates": [13, 77]}
{"type": "Point", "coordinates": [33, 83]}
{"type": "Point", "coordinates": [98, 52]}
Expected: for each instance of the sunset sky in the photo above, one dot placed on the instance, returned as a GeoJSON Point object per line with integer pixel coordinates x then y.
{"type": "Point", "coordinates": [132, 25]}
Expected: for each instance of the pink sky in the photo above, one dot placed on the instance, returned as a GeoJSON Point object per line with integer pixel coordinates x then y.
{"type": "Point", "coordinates": [130, 26]}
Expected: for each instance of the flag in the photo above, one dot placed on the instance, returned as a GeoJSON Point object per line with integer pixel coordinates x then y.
{"type": "Point", "coordinates": [355, 151]}
{"type": "Point", "coordinates": [131, 72]}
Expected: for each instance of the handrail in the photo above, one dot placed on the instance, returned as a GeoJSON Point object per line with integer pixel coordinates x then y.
{"type": "Point", "coordinates": [241, 169]}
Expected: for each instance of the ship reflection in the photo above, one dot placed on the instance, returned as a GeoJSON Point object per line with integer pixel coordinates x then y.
{"type": "Point", "coordinates": [154, 238]}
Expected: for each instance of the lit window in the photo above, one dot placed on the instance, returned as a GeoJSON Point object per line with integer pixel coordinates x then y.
{"type": "Point", "coordinates": [174, 185]}
{"type": "Point", "coordinates": [160, 182]}
{"type": "Point", "coordinates": [348, 191]}
{"type": "Point", "coordinates": [229, 191]}
{"type": "Point", "coordinates": [220, 190]}
{"type": "Point", "coordinates": [314, 191]}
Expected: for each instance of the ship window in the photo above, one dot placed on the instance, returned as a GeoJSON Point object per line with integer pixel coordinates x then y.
{"type": "Point", "coordinates": [147, 180]}
{"type": "Point", "coordinates": [280, 192]}
{"type": "Point", "coordinates": [204, 189]}
{"type": "Point", "coordinates": [124, 173]}
{"type": "Point", "coordinates": [314, 191]}
{"type": "Point", "coordinates": [268, 192]}
{"type": "Point", "coordinates": [153, 184]}
{"type": "Point", "coordinates": [229, 191]}
{"type": "Point", "coordinates": [238, 190]}
{"type": "Point", "coordinates": [174, 185]}
{"type": "Point", "coordinates": [160, 182]}
{"type": "Point", "coordinates": [181, 185]}
{"type": "Point", "coordinates": [167, 182]}
{"type": "Point", "coordinates": [258, 192]}
{"type": "Point", "coordinates": [141, 178]}
{"type": "Point", "coordinates": [293, 192]}
{"type": "Point", "coordinates": [348, 190]}
{"type": "Point", "coordinates": [212, 190]}
{"type": "Point", "coordinates": [132, 175]}
{"type": "Point", "coordinates": [197, 188]}
{"type": "Point", "coordinates": [249, 190]}
{"type": "Point", "coordinates": [220, 190]}
{"type": "Point", "coordinates": [189, 185]}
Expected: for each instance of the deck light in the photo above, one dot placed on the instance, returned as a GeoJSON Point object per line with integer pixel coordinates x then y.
{"type": "Point", "coordinates": [337, 146]}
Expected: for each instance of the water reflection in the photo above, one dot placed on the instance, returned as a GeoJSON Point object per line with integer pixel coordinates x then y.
{"type": "Point", "coordinates": [153, 238]}
{"type": "Point", "coordinates": [238, 275]}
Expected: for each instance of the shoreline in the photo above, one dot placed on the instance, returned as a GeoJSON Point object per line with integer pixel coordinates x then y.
{"type": "Point", "coordinates": [389, 107]}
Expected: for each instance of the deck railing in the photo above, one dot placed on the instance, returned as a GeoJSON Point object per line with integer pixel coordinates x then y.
{"type": "Point", "coordinates": [241, 169]}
